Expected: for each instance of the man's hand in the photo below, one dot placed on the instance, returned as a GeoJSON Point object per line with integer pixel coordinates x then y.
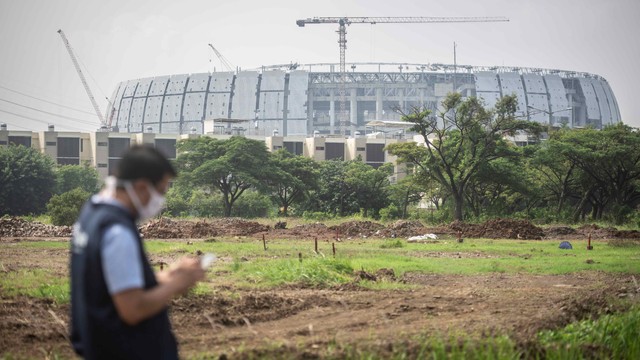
{"type": "Point", "coordinates": [185, 274]}
{"type": "Point", "coordinates": [136, 305]}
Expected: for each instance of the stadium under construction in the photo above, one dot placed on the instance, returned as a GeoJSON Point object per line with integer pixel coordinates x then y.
{"type": "Point", "coordinates": [302, 100]}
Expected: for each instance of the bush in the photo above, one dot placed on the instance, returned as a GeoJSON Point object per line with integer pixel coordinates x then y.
{"type": "Point", "coordinates": [389, 213]}
{"type": "Point", "coordinates": [252, 205]}
{"type": "Point", "coordinates": [65, 208]}
{"type": "Point", "coordinates": [202, 204]}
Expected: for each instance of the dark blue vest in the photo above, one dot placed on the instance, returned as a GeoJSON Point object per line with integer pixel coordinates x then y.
{"type": "Point", "coordinates": [97, 332]}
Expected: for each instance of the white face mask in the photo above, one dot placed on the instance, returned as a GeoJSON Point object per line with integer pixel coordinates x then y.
{"type": "Point", "coordinates": [153, 207]}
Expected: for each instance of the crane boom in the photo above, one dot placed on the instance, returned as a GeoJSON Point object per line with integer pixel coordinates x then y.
{"type": "Point", "coordinates": [82, 78]}
{"type": "Point", "coordinates": [396, 20]}
{"type": "Point", "coordinates": [225, 63]}
{"type": "Point", "coordinates": [342, 41]}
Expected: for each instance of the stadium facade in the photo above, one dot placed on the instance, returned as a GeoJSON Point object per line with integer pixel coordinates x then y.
{"type": "Point", "coordinates": [300, 100]}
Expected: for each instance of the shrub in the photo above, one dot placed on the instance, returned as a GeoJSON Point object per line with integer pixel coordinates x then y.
{"type": "Point", "coordinates": [252, 205]}
{"type": "Point", "coordinates": [65, 208]}
{"type": "Point", "coordinates": [389, 213]}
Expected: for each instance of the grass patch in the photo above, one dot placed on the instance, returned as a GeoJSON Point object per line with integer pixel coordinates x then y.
{"type": "Point", "coordinates": [612, 336]}
{"type": "Point", "coordinates": [314, 272]}
{"type": "Point", "coordinates": [392, 244]}
{"type": "Point", "coordinates": [35, 283]}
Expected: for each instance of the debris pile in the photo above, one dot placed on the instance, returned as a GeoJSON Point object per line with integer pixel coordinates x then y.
{"type": "Point", "coordinates": [357, 228]}
{"type": "Point", "coordinates": [403, 228]}
{"type": "Point", "coordinates": [500, 229]}
{"type": "Point", "coordinates": [165, 228]}
{"type": "Point", "coordinates": [15, 227]}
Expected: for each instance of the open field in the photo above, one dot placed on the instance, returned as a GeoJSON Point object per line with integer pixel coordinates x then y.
{"type": "Point", "coordinates": [378, 297]}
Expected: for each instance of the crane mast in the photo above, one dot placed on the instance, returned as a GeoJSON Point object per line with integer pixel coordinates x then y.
{"type": "Point", "coordinates": [84, 81]}
{"type": "Point", "coordinates": [342, 42]}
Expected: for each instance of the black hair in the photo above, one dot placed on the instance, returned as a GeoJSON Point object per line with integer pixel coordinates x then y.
{"type": "Point", "coordinates": [144, 162]}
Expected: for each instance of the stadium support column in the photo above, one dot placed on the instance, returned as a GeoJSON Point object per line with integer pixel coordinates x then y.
{"type": "Point", "coordinates": [332, 112]}
{"type": "Point", "coordinates": [379, 106]}
{"type": "Point", "coordinates": [353, 110]}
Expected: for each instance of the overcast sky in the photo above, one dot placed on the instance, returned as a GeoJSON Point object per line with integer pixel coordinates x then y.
{"type": "Point", "coordinates": [118, 40]}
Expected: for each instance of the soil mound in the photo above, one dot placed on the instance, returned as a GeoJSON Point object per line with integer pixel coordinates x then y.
{"type": "Point", "coordinates": [404, 228]}
{"type": "Point", "coordinates": [500, 229]}
{"type": "Point", "coordinates": [309, 230]}
{"type": "Point", "coordinates": [357, 228]}
{"type": "Point", "coordinates": [165, 228]}
{"type": "Point", "coordinates": [14, 227]}
{"type": "Point", "coordinates": [238, 227]}
{"type": "Point", "coordinates": [557, 231]}
{"type": "Point", "coordinates": [598, 232]}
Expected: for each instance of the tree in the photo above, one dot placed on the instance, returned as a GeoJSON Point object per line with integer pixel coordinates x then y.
{"type": "Point", "coordinates": [296, 177]}
{"type": "Point", "coordinates": [334, 195]}
{"type": "Point", "coordinates": [65, 208]}
{"type": "Point", "coordinates": [463, 138]}
{"type": "Point", "coordinates": [405, 192]}
{"type": "Point", "coordinates": [369, 184]}
{"type": "Point", "coordinates": [69, 177]}
{"type": "Point", "coordinates": [610, 162]}
{"type": "Point", "coordinates": [229, 166]}
{"type": "Point", "coordinates": [27, 180]}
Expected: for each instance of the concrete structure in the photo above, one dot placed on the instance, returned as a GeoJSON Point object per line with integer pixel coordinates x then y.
{"type": "Point", "coordinates": [103, 150]}
{"type": "Point", "coordinates": [298, 100]}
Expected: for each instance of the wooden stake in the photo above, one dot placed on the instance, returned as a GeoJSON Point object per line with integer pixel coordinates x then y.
{"type": "Point", "coordinates": [333, 245]}
{"type": "Point", "coordinates": [316, 244]}
{"type": "Point", "coordinates": [300, 256]}
{"type": "Point", "coordinates": [589, 247]}
{"type": "Point", "coordinates": [264, 243]}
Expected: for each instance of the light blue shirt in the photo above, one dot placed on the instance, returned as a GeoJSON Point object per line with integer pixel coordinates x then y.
{"type": "Point", "coordinates": [120, 255]}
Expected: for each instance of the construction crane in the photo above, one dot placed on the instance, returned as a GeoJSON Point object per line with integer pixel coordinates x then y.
{"type": "Point", "coordinates": [225, 63]}
{"type": "Point", "coordinates": [342, 41]}
{"type": "Point", "coordinates": [103, 123]}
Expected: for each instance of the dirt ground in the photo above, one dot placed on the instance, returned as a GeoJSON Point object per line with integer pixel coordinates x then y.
{"type": "Point", "coordinates": [307, 322]}
{"type": "Point", "coordinates": [304, 322]}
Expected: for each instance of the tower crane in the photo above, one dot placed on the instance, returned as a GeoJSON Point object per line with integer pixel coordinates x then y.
{"type": "Point", "coordinates": [225, 63]}
{"type": "Point", "coordinates": [342, 40]}
{"type": "Point", "coordinates": [103, 122]}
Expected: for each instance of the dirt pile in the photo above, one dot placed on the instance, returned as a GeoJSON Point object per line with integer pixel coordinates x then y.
{"type": "Point", "coordinates": [598, 232]}
{"type": "Point", "coordinates": [404, 228]}
{"type": "Point", "coordinates": [499, 229]}
{"type": "Point", "coordinates": [310, 230]}
{"type": "Point", "coordinates": [15, 227]}
{"type": "Point", "coordinates": [357, 228]}
{"type": "Point", "coordinates": [165, 228]}
{"type": "Point", "coordinates": [555, 232]}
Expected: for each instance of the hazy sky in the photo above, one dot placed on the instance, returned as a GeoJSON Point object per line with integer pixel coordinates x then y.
{"type": "Point", "coordinates": [118, 40]}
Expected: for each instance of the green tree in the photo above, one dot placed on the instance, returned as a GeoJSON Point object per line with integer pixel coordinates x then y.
{"type": "Point", "coordinates": [369, 184]}
{"type": "Point", "coordinates": [334, 196]}
{"type": "Point", "coordinates": [69, 177]}
{"type": "Point", "coordinates": [228, 166]}
{"type": "Point", "coordinates": [65, 208]}
{"type": "Point", "coordinates": [295, 178]}
{"type": "Point", "coordinates": [610, 163]}
{"type": "Point", "coordinates": [27, 180]}
{"type": "Point", "coordinates": [463, 138]}
{"type": "Point", "coordinates": [406, 192]}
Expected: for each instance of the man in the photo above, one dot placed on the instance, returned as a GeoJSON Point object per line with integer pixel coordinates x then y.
{"type": "Point", "coordinates": [118, 305]}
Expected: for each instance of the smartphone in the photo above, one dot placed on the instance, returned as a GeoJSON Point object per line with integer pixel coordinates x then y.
{"type": "Point", "coordinates": [207, 259]}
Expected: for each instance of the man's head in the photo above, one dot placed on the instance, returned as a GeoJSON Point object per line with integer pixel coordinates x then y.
{"type": "Point", "coordinates": [145, 174]}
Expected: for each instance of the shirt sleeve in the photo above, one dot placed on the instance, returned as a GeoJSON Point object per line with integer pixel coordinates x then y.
{"type": "Point", "coordinates": [121, 263]}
